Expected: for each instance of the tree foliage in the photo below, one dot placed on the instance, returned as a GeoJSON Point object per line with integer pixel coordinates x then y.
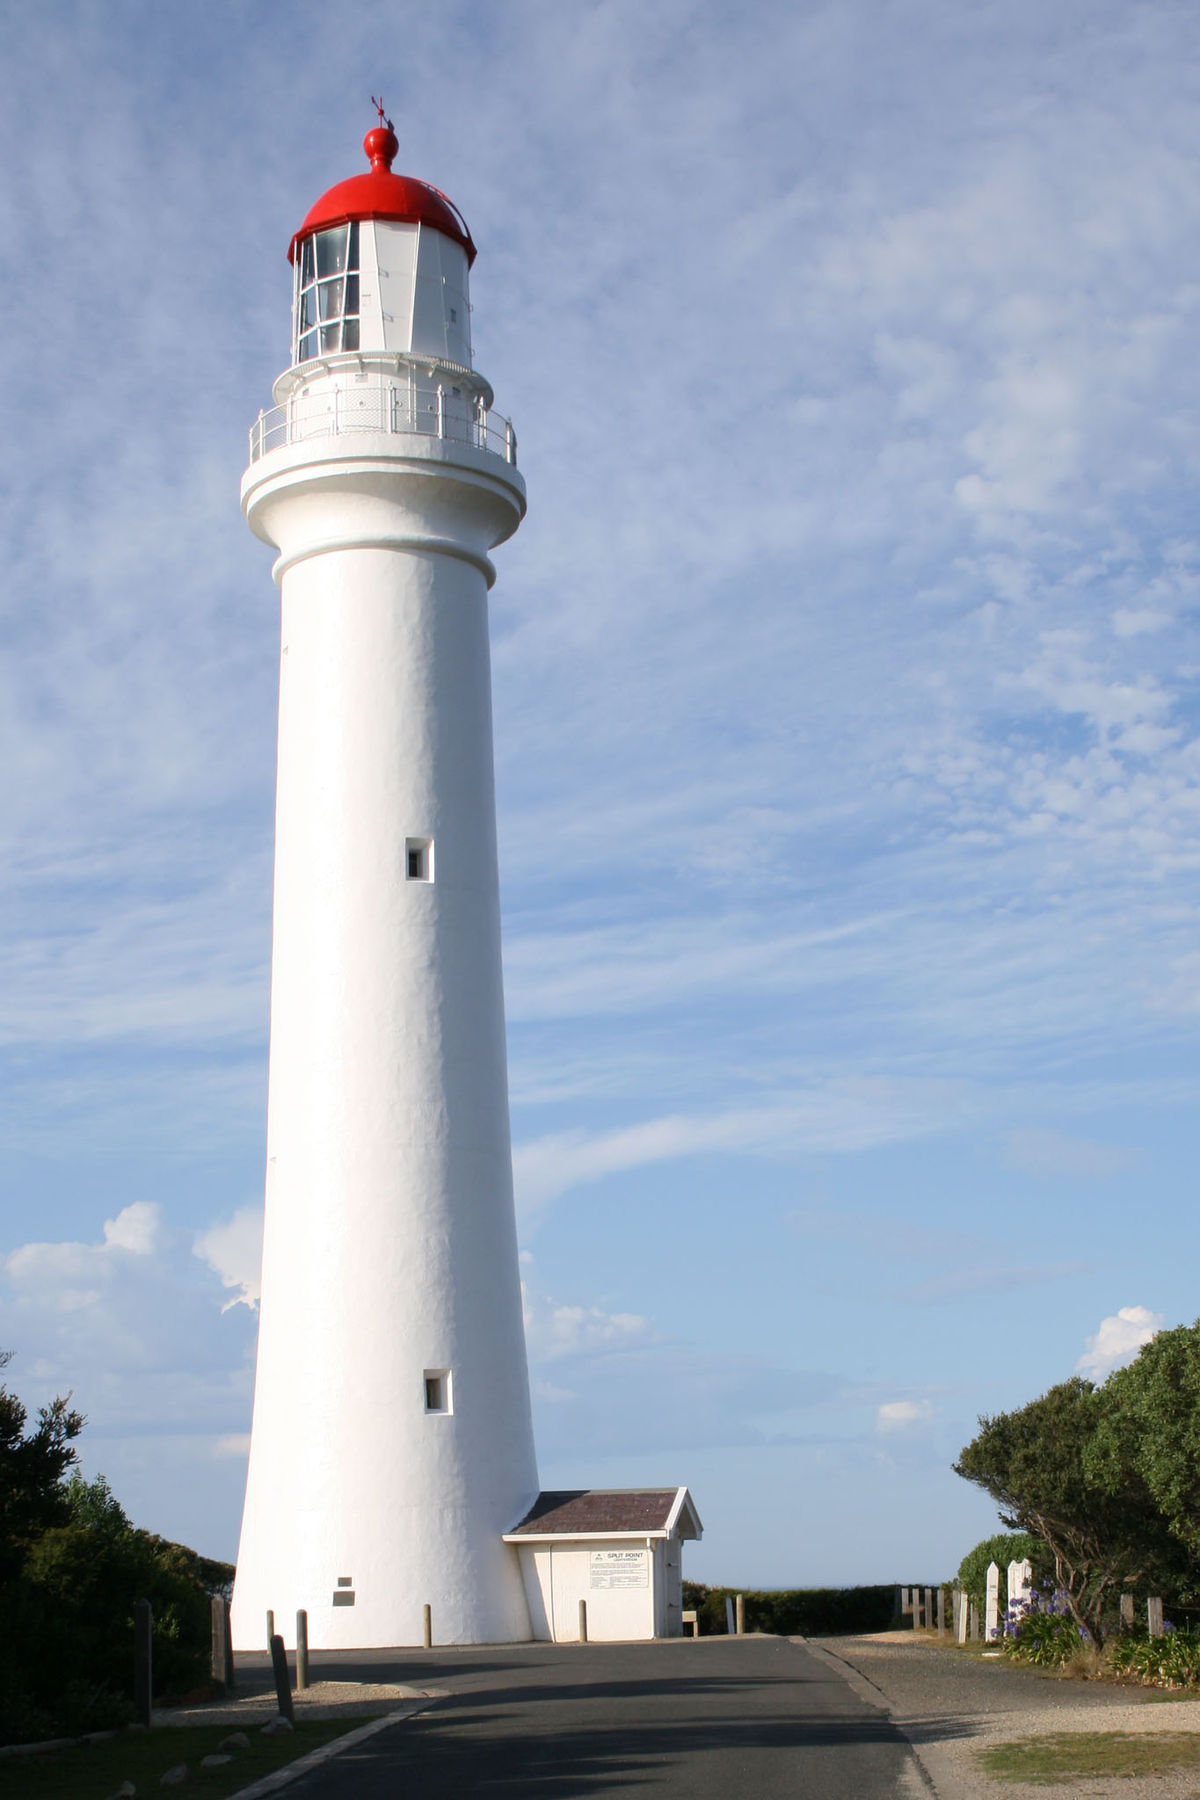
{"type": "Point", "coordinates": [32, 1467]}
{"type": "Point", "coordinates": [1152, 1424]}
{"type": "Point", "coordinates": [1103, 1528]}
{"type": "Point", "coordinates": [71, 1567]}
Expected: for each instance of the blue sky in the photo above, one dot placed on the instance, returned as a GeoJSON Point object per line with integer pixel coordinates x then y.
{"type": "Point", "coordinates": [846, 712]}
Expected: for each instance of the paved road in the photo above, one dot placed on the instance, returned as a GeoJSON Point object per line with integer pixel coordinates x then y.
{"type": "Point", "coordinates": [722, 1719]}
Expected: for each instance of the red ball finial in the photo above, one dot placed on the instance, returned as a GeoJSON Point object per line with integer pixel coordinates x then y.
{"type": "Point", "coordinates": [381, 143]}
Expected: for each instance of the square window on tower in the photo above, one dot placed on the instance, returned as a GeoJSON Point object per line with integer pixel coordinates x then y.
{"type": "Point", "coordinates": [418, 859]}
{"type": "Point", "coordinates": [437, 1391]}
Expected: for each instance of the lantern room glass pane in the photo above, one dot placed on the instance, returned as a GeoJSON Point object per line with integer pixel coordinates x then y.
{"type": "Point", "coordinates": [331, 251]}
{"type": "Point", "coordinates": [350, 334]}
{"type": "Point", "coordinates": [330, 296]}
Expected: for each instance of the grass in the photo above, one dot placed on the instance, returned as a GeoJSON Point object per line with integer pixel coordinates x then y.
{"type": "Point", "coordinates": [94, 1771]}
{"type": "Point", "coordinates": [1076, 1755]}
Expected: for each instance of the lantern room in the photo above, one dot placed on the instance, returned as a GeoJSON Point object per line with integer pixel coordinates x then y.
{"type": "Point", "coordinates": [381, 264]}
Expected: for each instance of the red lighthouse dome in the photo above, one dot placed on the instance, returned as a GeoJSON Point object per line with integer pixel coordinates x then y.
{"type": "Point", "coordinates": [379, 194]}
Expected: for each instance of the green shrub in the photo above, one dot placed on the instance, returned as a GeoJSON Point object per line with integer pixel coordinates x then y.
{"type": "Point", "coordinates": [1046, 1636]}
{"type": "Point", "coordinates": [1005, 1547]}
{"type": "Point", "coordinates": [1170, 1661]}
{"type": "Point", "coordinates": [795, 1612]}
{"type": "Point", "coordinates": [66, 1653]}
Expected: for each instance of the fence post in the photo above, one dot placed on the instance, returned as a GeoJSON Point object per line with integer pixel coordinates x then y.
{"type": "Point", "coordinates": [991, 1627]}
{"type": "Point", "coordinates": [1126, 1612]}
{"type": "Point", "coordinates": [301, 1651]}
{"type": "Point", "coordinates": [1154, 1618]}
{"type": "Point", "coordinates": [283, 1686]}
{"type": "Point", "coordinates": [941, 1612]}
{"type": "Point", "coordinates": [730, 1620]}
{"type": "Point", "coordinates": [740, 1613]}
{"type": "Point", "coordinates": [143, 1662]}
{"type": "Point", "coordinates": [222, 1647]}
{"type": "Point", "coordinates": [583, 1637]}
{"type": "Point", "coordinates": [427, 1626]}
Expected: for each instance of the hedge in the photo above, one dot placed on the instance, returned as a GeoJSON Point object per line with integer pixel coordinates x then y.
{"type": "Point", "coordinates": [795, 1612]}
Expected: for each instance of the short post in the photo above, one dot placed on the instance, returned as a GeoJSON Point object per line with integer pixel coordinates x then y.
{"type": "Point", "coordinates": [1127, 1614]}
{"type": "Point", "coordinates": [929, 1609]}
{"type": "Point", "coordinates": [974, 1615]}
{"type": "Point", "coordinates": [941, 1612]}
{"type": "Point", "coordinates": [740, 1615]}
{"type": "Point", "coordinates": [143, 1662]}
{"type": "Point", "coordinates": [1154, 1618]}
{"type": "Point", "coordinates": [730, 1620]}
{"type": "Point", "coordinates": [960, 1616]}
{"type": "Point", "coordinates": [222, 1648]}
{"type": "Point", "coordinates": [301, 1651]}
{"type": "Point", "coordinates": [427, 1626]}
{"type": "Point", "coordinates": [583, 1638]}
{"type": "Point", "coordinates": [283, 1686]}
{"type": "Point", "coordinates": [270, 1628]}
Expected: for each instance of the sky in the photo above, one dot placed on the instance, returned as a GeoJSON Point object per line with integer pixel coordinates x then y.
{"type": "Point", "coordinates": [846, 685]}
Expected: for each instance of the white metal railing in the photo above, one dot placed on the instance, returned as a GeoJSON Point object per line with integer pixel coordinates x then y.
{"type": "Point", "coordinates": [402, 407]}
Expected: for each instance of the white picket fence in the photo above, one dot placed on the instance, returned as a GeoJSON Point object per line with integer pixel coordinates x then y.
{"type": "Point", "coordinates": [927, 1607]}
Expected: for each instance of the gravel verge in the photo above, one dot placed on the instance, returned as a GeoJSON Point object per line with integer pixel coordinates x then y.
{"type": "Point", "coordinates": [950, 1703]}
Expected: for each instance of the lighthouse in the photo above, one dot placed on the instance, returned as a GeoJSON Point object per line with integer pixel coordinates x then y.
{"type": "Point", "coordinates": [391, 1447]}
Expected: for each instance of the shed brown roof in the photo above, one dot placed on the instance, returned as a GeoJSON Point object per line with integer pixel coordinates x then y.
{"type": "Point", "coordinates": [597, 1510]}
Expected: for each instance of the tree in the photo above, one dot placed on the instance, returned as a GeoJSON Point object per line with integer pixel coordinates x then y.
{"type": "Point", "coordinates": [1105, 1532]}
{"type": "Point", "coordinates": [1152, 1422]}
{"type": "Point", "coordinates": [71, 1567]}
{"type": "Point", "coordinates": [32, 1467]}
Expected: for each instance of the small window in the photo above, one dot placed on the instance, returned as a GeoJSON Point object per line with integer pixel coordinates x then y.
{"type": "Point", "coordinates": [418, 859]}
{"type": "Point", "coordinates": [437, 1391]}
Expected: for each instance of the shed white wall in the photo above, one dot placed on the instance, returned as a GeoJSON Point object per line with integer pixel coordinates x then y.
{"type": "Point", "coordinates": [558, 1576]}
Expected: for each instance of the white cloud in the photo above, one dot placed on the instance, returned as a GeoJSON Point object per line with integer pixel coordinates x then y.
{"type": "Point", "coordinates": [135, 1228]}
{"type": "Point", "coordinates": [554, 1330]}
{"type": "Point", "coordinates": [232, 1445]}
{"type": "Point", "coordinates": [1120, 1336]}
{"type": "Point", "coordinates": [1039, 1151]}
{"type": "Point", "coordinates": [903, 1415]}
{"type": "Point", "coordinates": [233, 1250]}
{"type": "Point", "coordinates": [1136, 621]}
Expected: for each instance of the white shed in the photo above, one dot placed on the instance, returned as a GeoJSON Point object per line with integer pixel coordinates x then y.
{"type": "Point", "coordinates": [618, 1549]}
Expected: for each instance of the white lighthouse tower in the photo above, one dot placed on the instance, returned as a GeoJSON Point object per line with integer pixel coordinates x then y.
{"type": "Point", "coordinates": [392, 1444]}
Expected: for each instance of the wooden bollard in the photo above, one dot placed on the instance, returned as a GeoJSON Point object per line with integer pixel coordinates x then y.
{"type": "Point", "coordinates": [1154, 1618]}
{"type": "Point", "coordinates": [143, 1662]}
{"type": "Point", "coordinates": [301, 1651]}
{"type": "Point", "coordinates": [427, 1626]}
{"type": "Point", "coordinates": [740, 1614]}
{"type": "Point", "coordinates": [283, 1686]}
{"type": "Point", "coordinates": [222, 1645]}
{"type": "Point", "coordinates": [583, 1621]}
